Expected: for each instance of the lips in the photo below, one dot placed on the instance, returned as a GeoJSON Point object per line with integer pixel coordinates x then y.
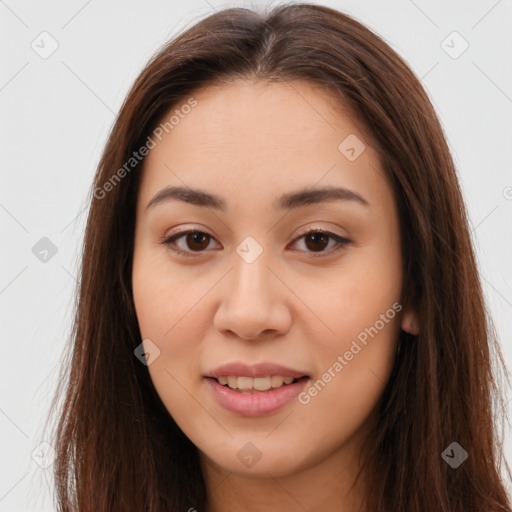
{"type": "Point", "coordinates": [239, 369]}
{"type": "Point", "coordinates": [246, 399]}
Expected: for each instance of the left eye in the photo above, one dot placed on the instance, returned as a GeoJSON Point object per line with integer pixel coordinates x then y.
{"type": "Point", "coordinates": [198, 241]}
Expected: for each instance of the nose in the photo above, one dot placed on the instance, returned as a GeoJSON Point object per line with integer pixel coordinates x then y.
{"type": "Point", "coordinates": [254, 302]}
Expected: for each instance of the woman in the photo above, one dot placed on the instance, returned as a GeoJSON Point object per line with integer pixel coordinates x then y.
{"type": "Point", "coordinates": [279, 304]}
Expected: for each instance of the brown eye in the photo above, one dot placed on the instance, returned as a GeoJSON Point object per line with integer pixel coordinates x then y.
{"type": "Point", "coordinates": [192, 241]}
{"type": "Point", "coordinates": [316, 241]}
{"type": "Point", "coordinates": [195, 240]}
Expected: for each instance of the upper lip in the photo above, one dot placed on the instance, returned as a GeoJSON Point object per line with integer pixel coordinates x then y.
{"type": "Point", "coordinates": [240, 369]}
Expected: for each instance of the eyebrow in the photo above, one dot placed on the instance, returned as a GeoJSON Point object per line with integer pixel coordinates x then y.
{"type": "Point", "coordinates": [287, 201]}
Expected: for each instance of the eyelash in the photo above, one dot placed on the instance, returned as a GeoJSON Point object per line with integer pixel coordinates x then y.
{"type": "Point", "coordinates": [341, 241]}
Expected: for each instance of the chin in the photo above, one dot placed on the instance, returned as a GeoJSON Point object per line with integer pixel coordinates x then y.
{"type": "Point", "coordinates": [258, 459]}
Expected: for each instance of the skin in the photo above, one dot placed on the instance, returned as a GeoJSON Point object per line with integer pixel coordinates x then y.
{"type": "Point", "coordinates": [250, 142]}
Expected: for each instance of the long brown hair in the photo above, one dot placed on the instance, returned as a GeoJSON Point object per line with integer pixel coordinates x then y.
{"type": "Point", "coordinates": [118, 449]}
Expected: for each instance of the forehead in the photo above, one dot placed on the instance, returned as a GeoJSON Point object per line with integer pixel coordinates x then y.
{"type": "Point", "coordinates": [278, 117]}
{"type": "Point", "coordinates": [260, 136]}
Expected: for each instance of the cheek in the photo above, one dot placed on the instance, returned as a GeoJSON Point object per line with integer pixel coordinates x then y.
{"type": "Point", "coordinates": [355, 297]}
{"type": "Point", "coordinates": [169, 314]}
{"type": "Point", "coordinates": [162, 296]}
{"type": "Point", "coordinates": [353, 373]}
{"type": "Point", "coordinates": [361, 307]}
{"type": "Point", "coordinates": [170, 309]}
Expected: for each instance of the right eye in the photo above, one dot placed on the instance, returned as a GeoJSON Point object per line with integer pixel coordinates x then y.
{"type": "Point", "coordinates": [197, 241]}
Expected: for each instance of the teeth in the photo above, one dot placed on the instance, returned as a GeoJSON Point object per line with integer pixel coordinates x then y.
{"type": "Point", "coordinates": [257, 383]}
{"type": "Point", "coordinates": [245, 383]}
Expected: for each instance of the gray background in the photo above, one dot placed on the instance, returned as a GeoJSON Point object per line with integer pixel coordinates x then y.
{"type": "Point", "coordinates": [56, 113]}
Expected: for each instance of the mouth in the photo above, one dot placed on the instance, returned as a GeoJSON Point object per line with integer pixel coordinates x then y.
{"type": "Point", "coordinates": [251, 385]}
{"type": "Point", "coordinates": [255, 390]}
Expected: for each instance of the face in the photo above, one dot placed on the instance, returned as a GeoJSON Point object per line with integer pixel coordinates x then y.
{"type": "Point", "coordinates": [278, 286]}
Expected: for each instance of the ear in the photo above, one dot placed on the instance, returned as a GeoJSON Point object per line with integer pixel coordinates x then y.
{"type": "Point", "coordinates": [410, 322]}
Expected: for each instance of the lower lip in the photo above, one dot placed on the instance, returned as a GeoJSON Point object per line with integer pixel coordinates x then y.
{"type": "Point", "coordinates": [259, 403]}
